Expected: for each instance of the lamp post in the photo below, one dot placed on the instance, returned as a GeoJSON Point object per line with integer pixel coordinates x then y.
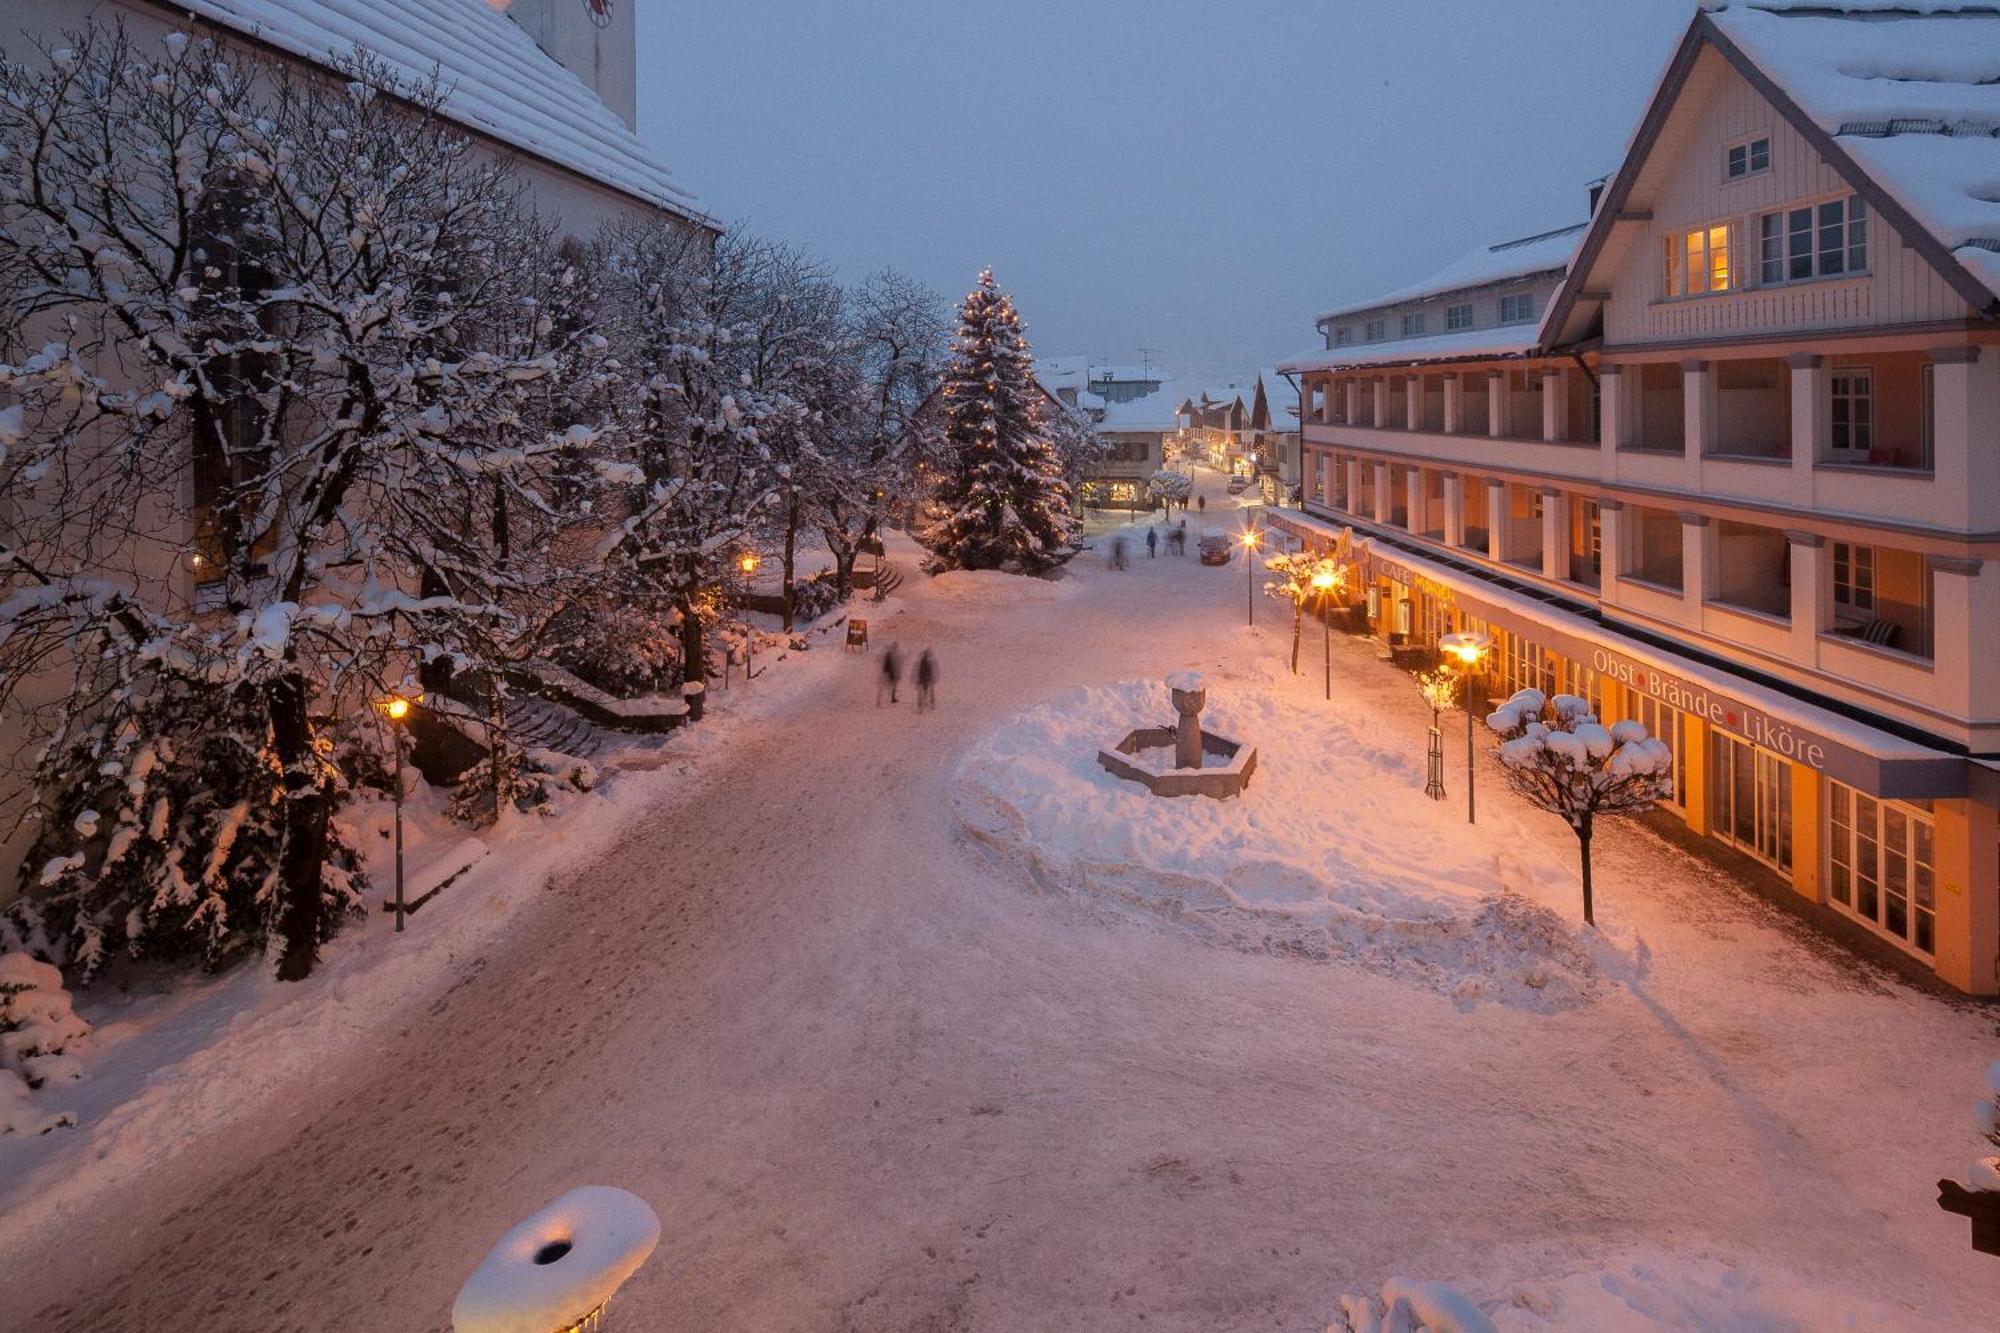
{"type": "Point", "coordinates": [396, 707]}
{"type": "Point", "coordinates": [1250, 537]}
{"type": "Point", "coordinates": [1326, 580]}
{"type": "Point", "coordinates": [748, 564]}
{"type": "Point", "coordinates": [1467, 647]}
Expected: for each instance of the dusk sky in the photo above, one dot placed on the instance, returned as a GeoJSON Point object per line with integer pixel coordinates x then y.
{"type": "Point", "coordinates": [1198, 178]}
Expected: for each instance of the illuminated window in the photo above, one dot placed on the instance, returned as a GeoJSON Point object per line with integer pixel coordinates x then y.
{"type": "Point", "coordinates": [1880, 865]}
{"type": "Point", "coordinates": [1698, 262]}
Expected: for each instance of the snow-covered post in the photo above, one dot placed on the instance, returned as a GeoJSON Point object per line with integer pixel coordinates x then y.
{"type": "Point", "coordinates": [558, 1270]}
{"type": "Point", "coordinates": [1979, 1198]}
{"type": "Point", "coordinates": [1563, 760]}
{"type": "Point", "coordinates": [1440, 691]}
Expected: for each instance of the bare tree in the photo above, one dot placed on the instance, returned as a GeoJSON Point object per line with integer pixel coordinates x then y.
{"type": "Point", "coordinates": [1561, 759]}
{"type": "Point", "coordinates": [1295, 583]}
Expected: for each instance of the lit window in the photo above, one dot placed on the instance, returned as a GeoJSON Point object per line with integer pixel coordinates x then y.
{"type": "Point", "coordinates": [1820, 241]}
{"type": "Point", "coordinates": [1458, 316]}
{"type": "Point", "coordinates": [1881, 865]}
{"type": "Point", "coordinates": [1698, 262]}
{"type": "Point", "coordinates": [1747, 158]}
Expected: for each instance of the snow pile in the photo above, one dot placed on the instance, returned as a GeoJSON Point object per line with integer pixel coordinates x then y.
{"type": "Point", "coordinates": [1332, 853]}
{"type": "Point", "coordinates": [1407, 1306]}
{"type": "Point", "coordinates": [1985, 1173]}
{"type": "Point", "coordinates": [557, 1267]}
{"type": "Point", "coordinates": [37, 1028]}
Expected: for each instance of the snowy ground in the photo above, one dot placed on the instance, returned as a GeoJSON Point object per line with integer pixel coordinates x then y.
{"type": "Point", "coordinates": [876, 1070]}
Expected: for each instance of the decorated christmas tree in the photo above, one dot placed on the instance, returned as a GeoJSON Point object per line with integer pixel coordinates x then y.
{"type": "Point", "coordinates": [1002, 503]}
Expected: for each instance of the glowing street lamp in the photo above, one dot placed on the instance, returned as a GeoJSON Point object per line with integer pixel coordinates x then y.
{"type": "Point", "coordinates": [747, 562]}
{"type": "Point", "coordinates": [1468, 648]}
{"type": "Point", "coordinates": [397, 707]}
{"type": "Point", "coordinates": [1326, 580]}
{"type": "Point", "coordinates": [1250, 539]}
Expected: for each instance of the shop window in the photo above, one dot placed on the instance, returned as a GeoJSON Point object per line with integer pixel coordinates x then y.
{"type": "Point", "coordinates": [1881, 865]}
{"type": "Point", "coordinates": [1750, 799]}
{"type": "Point", "coordinates": [1668, 725]}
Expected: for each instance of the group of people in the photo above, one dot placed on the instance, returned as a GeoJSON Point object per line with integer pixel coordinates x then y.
{"type": "Point", "coordinates": [1175, 539]}
{"type": "Point", "coordinates": [925, 677]}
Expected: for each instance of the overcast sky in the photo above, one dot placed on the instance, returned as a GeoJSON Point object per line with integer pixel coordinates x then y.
{"type": "Point", "coordinates": [1202, 178]}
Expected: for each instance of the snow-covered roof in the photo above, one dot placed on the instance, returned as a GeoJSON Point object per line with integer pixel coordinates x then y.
{"type": "Point", "coordinates": [1913, 97]}
{"type": "Point", "coordinates": [1151, 413]}
{"type": "Point", "coordinates": [1470, 345]}
{"type": "Point", "coordinates": [499, 82]}
{"type": "Point", "coordinates": [1505, 261]}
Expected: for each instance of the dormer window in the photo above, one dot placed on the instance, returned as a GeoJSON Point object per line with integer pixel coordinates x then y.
{"type": "Point", "coordinates": [1458, 316]}
{"type": "Point", "coordinates": [1412, 325]}
{"type": "Point", "coordinates": [1747, 157]}
{"type": "Point", "coordinates": [1342, 336]}
{"type": "Point", "coordinates": [1378, 329]}
{"type": "Point", "coordinates": [1517, 309]}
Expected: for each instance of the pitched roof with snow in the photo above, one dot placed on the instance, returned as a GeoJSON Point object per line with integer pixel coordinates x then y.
{"type": "Point", "coordinates": [1507, 261]}
{"type": "Point", "coordinates": [1153, 412]}
{"type": "Point", "coordinates": [1469, 345]}
{"type": "Point", "coordinates": [1129, 375]}
{"type": "Point", "coordinates": [1911, 92]}
{"type": "Point", "coordinates": [498, 82]}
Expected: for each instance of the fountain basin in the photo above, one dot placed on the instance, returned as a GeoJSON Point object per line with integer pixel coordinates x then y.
{"type": "Point", "coordinates": [1146, 757]}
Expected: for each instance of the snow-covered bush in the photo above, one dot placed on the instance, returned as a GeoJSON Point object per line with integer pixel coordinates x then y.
{"type": "Point", "coordinates": [1293, 583]}
{"type": "Point", "coordinates": [37, 1031]}
{"type": "Point", "coordinates": [1563, 760]}
{"type": "Point", "coordinates": [1412, 1307]}
{"type": "Point", "coordinates": [1002, 502]}
{"type": "Point", "coordinates": [816, 596]}
{"type": "Point", "coordinates": [1168, 485]}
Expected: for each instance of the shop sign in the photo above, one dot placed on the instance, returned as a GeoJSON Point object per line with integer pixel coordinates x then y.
{"type": "Point", "coordinates": [1754, 725]}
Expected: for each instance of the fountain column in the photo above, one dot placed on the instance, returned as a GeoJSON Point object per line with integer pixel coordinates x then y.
{"type": "Point", "coordinates": [1190, 693]}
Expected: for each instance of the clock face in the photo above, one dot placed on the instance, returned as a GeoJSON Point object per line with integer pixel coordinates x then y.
{"type": "Point", "coordinates": [599, 11]}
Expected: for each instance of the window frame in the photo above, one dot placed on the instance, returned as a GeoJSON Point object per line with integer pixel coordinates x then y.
{"type": "Point", "coordinates": [1862, 423]}
{"type": "Point", "coordinates": [1377, 330]}
{"type": "Point", "coordinates": [1747, 145]}
{"type": "Point", "coordinates": [1681, 252]}
{"type": "Point", "coordinates": [1890, 847]}
{"type": "Point", "coordinates": [1460, 316]}
{"type": "Point", "coordinates": [1858, 561]}
{"type": "Point", "coordinates": [1519, 300]}
{"type": "Point", "coordinates": [1414, 323]}
{"type": "Point", "coordinates": [1782, 232]}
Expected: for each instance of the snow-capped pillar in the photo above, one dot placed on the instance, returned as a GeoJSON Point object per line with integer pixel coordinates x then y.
{"type": "Point", "coordinates": [1698, 404]}
{"type": "Point", "coordinates": [1496, 403]}
{"type": "Point", "coordinates": [1413, 402]}
{"type": "Point", "coordinates": [1555, 404]}
{"type": "Point", "coordinates": [1611, 541]}
{"type": "Point", "coordinates": [1812, 406]}
{"type": "Point", "coordinates": [1812, 594]}
{"type": "Point", "coordinates": [1965, 391]}
{"type": "Point", "coordinates": [1353, 505]}
{"type": "Point", "coordinates": [1350, 392]}
{"type": "Point", "coordinates": [1382, 498]}
{"type": "Point", "coordinates": [1454, 403]}
{"type": "Point", "coordinates": [1499, 519]}
{"type": "Point", "coordinates": [1379, 388]}
{"type": "Point", "coordinates": [1555, 531]}
{"type": "Point", "coordinates": [1697, 565]}
{"type": "Point", "coordinates": [1454, 504]}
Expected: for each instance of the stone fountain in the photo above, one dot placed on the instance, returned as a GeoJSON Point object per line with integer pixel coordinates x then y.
{"type": "Point", "coordinates": [1182, 759]}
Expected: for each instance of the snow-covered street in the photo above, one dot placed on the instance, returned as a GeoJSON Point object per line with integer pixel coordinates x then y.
{"type": "Point", "coordinates": [874, 1073]}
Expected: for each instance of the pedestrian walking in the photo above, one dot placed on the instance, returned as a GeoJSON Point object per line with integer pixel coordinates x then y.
{"type": "Point", "coordinates": [1152, 543]}
{"type": "Point", "coordinates": [1118, 551]}
{"type": "Point", "coordinates": [892, 674]}
{"type": "Point", "coordinates": [1201, 502]}
{"type": "Point", "coordinates": [927, 674]}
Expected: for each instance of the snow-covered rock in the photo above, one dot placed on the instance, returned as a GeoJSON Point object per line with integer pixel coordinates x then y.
{"type": "Point", "coordinates": [553, 1269]}
{"type": "Point", "coordinates": [1407, 1307]}
{"type": "Point", "coordinates": [37, 1030]}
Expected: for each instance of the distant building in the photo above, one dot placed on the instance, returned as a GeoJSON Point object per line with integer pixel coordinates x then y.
{"type": "Point", "coordinates": [1726, 460]}
{"type": "Point", "coordinates": [1131, 416]}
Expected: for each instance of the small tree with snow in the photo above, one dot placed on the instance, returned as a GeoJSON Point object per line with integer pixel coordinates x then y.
{"type": "Point", "coordinates": [1563, 760]}
{"type": "Point", "coordinates": [1294, 583]}
{"type": "Point", "coordinates": [1170, 486]}
{"type": "Point", "coordinates": [1003, 502]}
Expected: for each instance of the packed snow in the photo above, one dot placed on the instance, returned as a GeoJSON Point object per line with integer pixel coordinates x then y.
{"type": "Point", "coordinates": [872, 1077]}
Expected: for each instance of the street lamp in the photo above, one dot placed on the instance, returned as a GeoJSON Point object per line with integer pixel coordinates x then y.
{"type": "Point", "coordinates": [1467, 648]}
{"type": "Point", "coordinates": [1326, 580]}
{"type": "Point", "coordinates": [396, 707]}
{"type": "Point", "coordinates": [748, 564]}
{"type": "Point", "coordinates": [1250, 538]}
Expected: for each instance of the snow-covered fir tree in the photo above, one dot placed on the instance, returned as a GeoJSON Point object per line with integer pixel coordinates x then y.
{"type": "Point", "coordinates": [1002, 502]}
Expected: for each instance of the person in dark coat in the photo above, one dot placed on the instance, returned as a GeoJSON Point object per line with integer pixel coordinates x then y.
{"type": "Point", "coordinates": [1152, 543]}
{"type": "Point", "coordinates": [927, 674]}
{"type": "Point", "coordinates": [1201, 502]}
{"type": "Point", "coordinates": [892, 674]}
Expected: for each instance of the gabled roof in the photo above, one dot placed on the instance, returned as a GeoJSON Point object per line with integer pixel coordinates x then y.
{"type": "Point", "coordinates": [498, 82]}
{"type": "Point", "coordinates": [1902, 99]}
{"type": "Point", "coordinates": [1505, 261]}
{"type": "Point", "coordinates": [1508, 340]}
